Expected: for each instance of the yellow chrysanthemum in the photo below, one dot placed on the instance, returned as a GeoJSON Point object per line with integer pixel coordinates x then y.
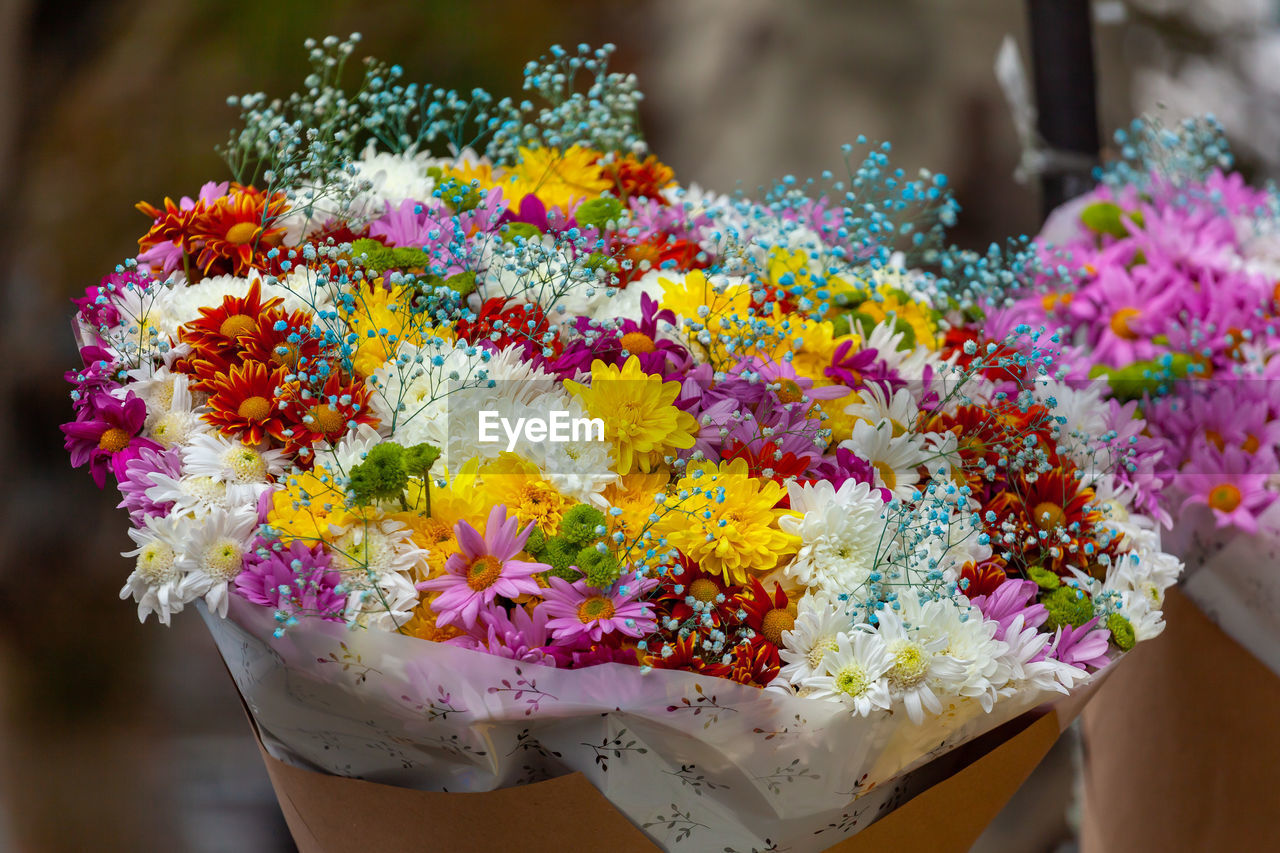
{"type": "Point", "coordinates": [726, 520]}
{"type": "Point", "coordinates": [891, 305]}
{"type": "Point", "coordinates": [466, 171]}
{"type": "Point", "coordinates": [788, 269]}
{"type": "Point", "coordinates": [457, 501]}
{"type": "Point", "coordinates": [558, 178]}
{"type": "Point", "coordinates": [639, 418]}
{"type": "Point", "coordinates": [385, 313]}
{"type": "Point", "coordinates": [309, 507]}
{"type": "Point", "coordinates": [518, 484]}
{"type": "Point", "coordinates": [422, 624]}
{"type": "Point", "coordinates": [432, 535]}
{"type": "Point", "coordinates": [633, 494]}
{"type": "Point", "coordinates": [811, 344]}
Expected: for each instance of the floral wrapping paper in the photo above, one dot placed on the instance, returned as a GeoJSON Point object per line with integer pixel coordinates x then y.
{"type": "Point", "coordinates": [697, 763]}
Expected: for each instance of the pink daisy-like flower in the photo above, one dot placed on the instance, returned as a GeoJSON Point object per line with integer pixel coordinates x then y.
{"type": "Point", "coordinates": [1230, 482]}
{"type": "Point", "coordinates": [483, 569]}
{"type": "Point", "coordinates": [577, 609]}
{"type": "Point", "coordinates": [296, 580]}
{"type": "Point", "coordinates": [1083, 646]}
{"type": "Point", "coordinates": [517, 635]}
{"type": "Point", "coordinates": [1012, 599]}
{"type": "Point", "coordinates": [105, 434]}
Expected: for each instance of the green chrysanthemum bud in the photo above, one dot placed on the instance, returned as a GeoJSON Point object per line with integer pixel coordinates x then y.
{"type": "Point", "coordinates": [579, 524]}
{"type": "Point", "coordinates": [1066, 606]}
{"type": "Point", "coordinates": [598, 212]}
{"type": "Point", "coordinates": [512, 230]}
{"type": "Point", "coordinates": [1044, 578]}
{"type": "Point", "coordinates": [381, 476]}
{"type": "Point", "coordinates": [1121, 632]}
{"type": "Point", "coordinates": [562, 556]}
{"type": "Point", "coordinates": [419, 459]}
{"type": "Point", "coordinates": [536, 544]}
{"type": "Point", "coordinates": [601, 569]}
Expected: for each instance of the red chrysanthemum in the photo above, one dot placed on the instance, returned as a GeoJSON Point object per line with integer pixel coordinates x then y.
{"type": "Point", "coordinates": [1053, 518]}
{"type": "Point", "coordinates": [982, 578]}
{"type": "Point", "coordinates": [765, 461]}
{"type": "Point", "coordinates": [281, 338]}
{"type": "Point", "coordinates": [245, 402]}
{"type": "Point", "coordinates": [653, 254]}
{"type": "Point", "coordinates": [755, 662]}
{"type": "Point", "coordinates": [768, 613]}
{"type": "Point", "coordinates": [323, 415]}
{"type": "Point", "coordinates": [687, 654]}
{"type": "Point", "coordinates": [215, 336]}
{"type": "Point", "coordinates": [233, 230]}
{"type": "Point", "coordinates": [702, 586]}
{"type": "Point", "coordinates": [636, 178]}
{"type": "Point", "coordinates": [503, 325]}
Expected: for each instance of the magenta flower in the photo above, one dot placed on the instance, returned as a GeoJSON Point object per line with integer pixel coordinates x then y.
{"type": "Point", "coordinates": [861, 368]}
{"type": "Point", "coordinates": [517, 635]}
{"type": "Point", "coordinates": [98, 375]}
{"type": "Point", "coordinates": [296, 580]}
{"type": "Point", "coordinates": [1012, 599]}
{"type": "Point", "coordinates": [1230, 482]}
{"type": "Point", "coordinates": [1083, 646]}
{"type": "Point", "coordinates": [137, 479]}
{"type": "Point", "coordinates": [483, 570]}
{"type": "Point", "coordinates": [577, 610]}
{"type": "Point", "coordinates": [105, 434]}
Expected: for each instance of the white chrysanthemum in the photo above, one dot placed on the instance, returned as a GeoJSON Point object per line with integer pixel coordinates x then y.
{"type": "Point", "coordinates": [896, 460]}
{"type": "Point", "coordinates": [921, 668]}
{"type": "Point", "coordinates": [840, 531]}
{"type": "Point", "coordinates": [854, 673]}
{"type": "Point", "coordinates": [910, 363]}
{"type": "Point", "coordinates": [231, 460]}
{"type": "Point", "coordinates": [303, 288]}
{"type": "Point", "coordinates": [970, 640]}
{"type": "Point", "coordinates": [173, 418]}
{"type": "Point", "coordinates": [819, 624]}
{"type": "Point", "coordinates": [200, 494]}
{"type": "Point", "coordinates": [580, 469]}
{"type": "Point", "coordinates": [377, 561]}
{"type": "Point", "coordinates": [144, 312]}
{"type": "Point", "coordinates": [349, 452]}
{"type": "Point", "coordinates": [1023, 644]}
{"type": "Point", "coordinates": [214, 553]}
{"type": "Point", "coordinates": [409, 392]}
{"type": "Point", "coordinates": [873, 405]}
{"type": "Point", "coordinates": [158, 583]}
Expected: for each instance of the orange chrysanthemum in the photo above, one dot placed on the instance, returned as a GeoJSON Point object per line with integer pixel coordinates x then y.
{"type": "Point", "coordinates": [281, 338]}
{"type": "Point", "coordinates": [244, 402]}
{"type": "Point", "coordinates": [636, 178]}
{"type": "Point", "coordinates": [215, 336]}
{"type": "Point", "coordinates": [323, 415]}
{"type": "Point", "coordinates": [225, 236]}
{"type": "Point", "coordinates": [1054, 518]}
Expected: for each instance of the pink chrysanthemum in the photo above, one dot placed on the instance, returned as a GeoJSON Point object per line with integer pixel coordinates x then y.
{"type": "Point", "coordinates": [1230, 482]}
{"type": "Point", "coordinates": [483, 569]}
{"type": "Point", "coordinates": [105, 434]}
{"type": "Point", "coordinates": [577, 609]}
{"type": "Point", "coordinates": [1082, 646]}
{"type": "Point", "coordinates": [296, 580]}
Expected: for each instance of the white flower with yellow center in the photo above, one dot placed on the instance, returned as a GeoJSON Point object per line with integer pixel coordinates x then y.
{"type": "Point", "coordinates": [872, 405]}
{"type": "Point", "coordinates": [411, 391]}
{"type": "Point", "coordinates": [215, 552]}
{"type": "Point", "coordinates": [230, 460]}
{"type": "Point", "coordinates": [896, 459]}
{"type": "Point", "coordinates": [377, 561]}
{"type": "Point", "coordinates": [819, 624]}
{"type": "Point", "coordinates": [854, 673]}
{"type": "Point", "coordinates": [158, 583]}
{"type": "Point", "coordinates": [199, 494]}
{"type": "Point", "coordinates": [970, 640]}
{"type": "Point", "coordinates": [921, 668]}
{"type": "Point", "coordinates": [840, 531]}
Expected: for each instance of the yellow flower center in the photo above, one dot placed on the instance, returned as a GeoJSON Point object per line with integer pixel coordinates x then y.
{"type": "Point", "coordinates": [1251, 444]}
{"type": "Point", "coordinates": [637, 342]}
{"type": "Point", "coordinates": [819, 651]}
{"type": "Point", "coordinates": [155, 562]}
{"type": "Point", "coordinates": [1122, 323]}
{"type": "Point", "coordinates": [484, 572]}
{"type": "Point", "coordinates": [222, 560]}
{"type": "Point", "coordinates": [1215, 438]}
{"type": "Point", "coordinates": [236, 325]}
{"type": "Point", "coordinates": [704, 590]}
{"type": "Point", "coordinates": [114, 440]}
{"type": "Point", "coordinates": [1225, 497]}
{"type": "Point", "coordinates": [1048, 516]}
{"type": "Point", "coordinates": [594, 609]}
{"type": "Point", "coordinates": [852, 680]}
{"type": "Point", "coordinates": [789, 391]}
{"type": "Point", "coordinates": [242, 232]}
{"type": "Point", "coordinates": [246, 463]}
{"type": "Point", "coordinates": [910, 665]}
{"type": "Point", "coordinates": [328, 420]}
{"type": "Point", "coordinates": [887, 475]}
{"type": "Point", "coordinates": [774, 623]}
{"type": "Point", "coordinates": [254, 409]}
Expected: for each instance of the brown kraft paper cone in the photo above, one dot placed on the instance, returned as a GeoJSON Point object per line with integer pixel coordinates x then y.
{"type": "Point", "coordinates": [333, 814]}
{"type": "Point", "coordinates": [1182, 750]}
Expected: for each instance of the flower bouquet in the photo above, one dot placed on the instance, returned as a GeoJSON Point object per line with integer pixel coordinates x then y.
{"type": "Point", "coordinates": [492, 455]}
{"type": "Point", "coordinates": [1164, 293]}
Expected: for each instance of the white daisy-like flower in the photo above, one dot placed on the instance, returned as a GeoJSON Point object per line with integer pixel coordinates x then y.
{"type": "Point", "coordinates": [873, 405]}
{"type": "Point", "coordinates": [819, 624]}
{"type": "Point", "coordinates": [173, 414]}
{"type": "Point", "coordinates": [214, 554]}
{"type": "Point", "coordinates": [349, 452]}
{"type": "Point", "coordinates": [377, 562]}
{"type": "Point", "coordinates": [854, 673]}
{"type": "Point", "coordinates": [1023, 644]}
{"type": "Point", "coordinates": [158, 583]}
{"type": "Point", "coordinates": [840, 531]}
{"type": "Point", "coordinates": [921, 668]}
{"type": "Point", "coordinates": [199, 494]}
{"type": "Point", "coordinates": [970, 640]}
{"type": "Point", "coordinates": [896, 460]}
{"type": "Point", "coordinates": [231, 460]}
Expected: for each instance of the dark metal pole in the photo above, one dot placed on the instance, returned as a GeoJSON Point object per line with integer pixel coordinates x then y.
{"type": "Point", "coordinates": [1066, 101]}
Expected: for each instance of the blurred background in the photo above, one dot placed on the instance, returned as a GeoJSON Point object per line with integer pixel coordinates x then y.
{"type": "Point", "coordinates": [120, 736]}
